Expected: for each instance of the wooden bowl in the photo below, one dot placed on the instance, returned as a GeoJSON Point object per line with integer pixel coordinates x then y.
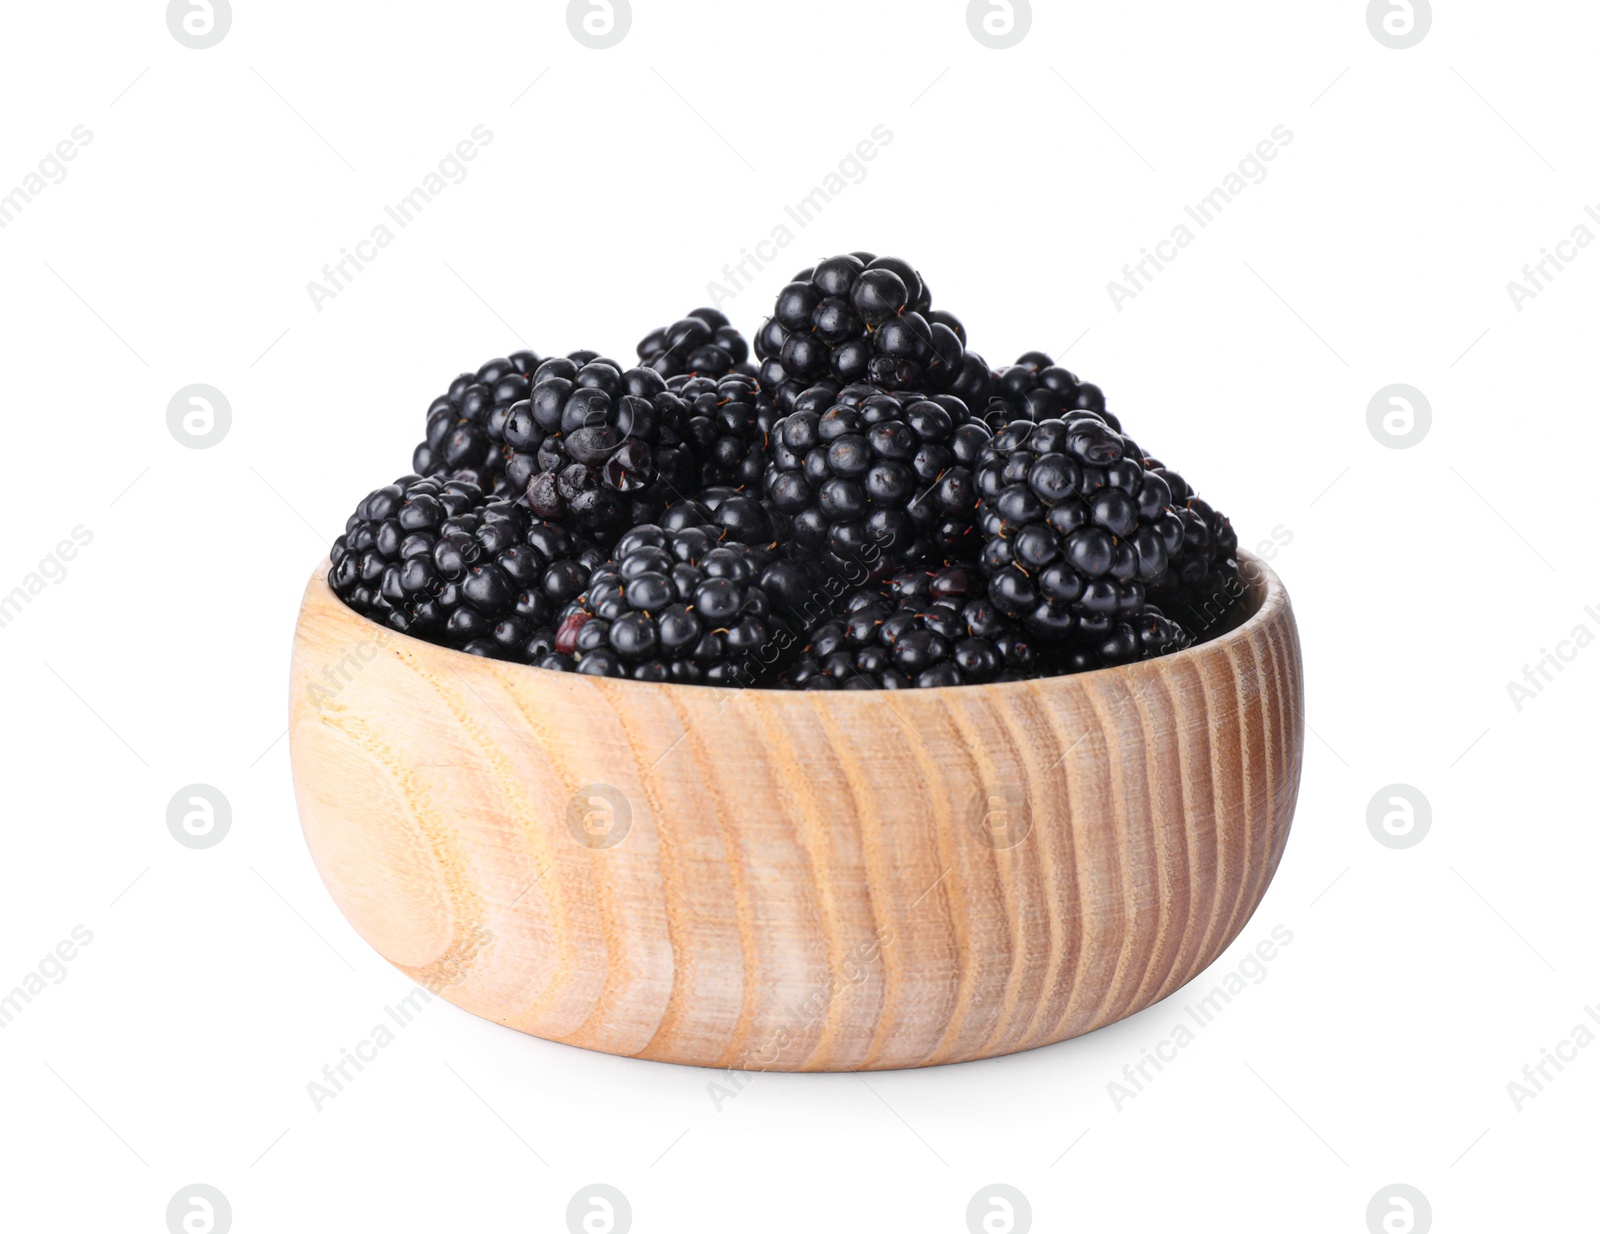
{"type": "Point", "coordinates": [769, 880]}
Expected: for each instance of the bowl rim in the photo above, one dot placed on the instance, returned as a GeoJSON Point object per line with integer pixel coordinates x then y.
{"type": "Point", "coordinates": [1265, 590]}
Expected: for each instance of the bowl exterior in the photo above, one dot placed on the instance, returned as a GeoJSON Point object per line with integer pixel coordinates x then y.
{"type": "Point", "coordinates": [767, 880]}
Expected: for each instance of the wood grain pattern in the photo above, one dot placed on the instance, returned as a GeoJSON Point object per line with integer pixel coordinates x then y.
{"type": "Point", "coordinates": [796, 881]}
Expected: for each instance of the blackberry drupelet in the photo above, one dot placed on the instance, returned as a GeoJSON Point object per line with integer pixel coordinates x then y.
{"type": "Point", "coordinates": [703, 343]}
{"type": "Point", "coordinates": [1075, 529]}
{"type": "Point", "coordinates": [1037, 388]}
{"type": "Point", "coordinates": [894, 637]}
{"type": "Point", "coordinates": [678, 606]}
{"type": "Point", "coordinates": [878, 479]}
{"type": "Point", "coordinates": [466, 424]}
{"type": "Point", "coordinates": [730, 512]}
{"type": "Point", "coordinates": [928, 586]}
{"type": "Point", "coordinates": [853, 320]}
{"type": "Point", "coordinates": [436, 559]}
{"type": "Point", "coordinates": [729, 421]}
{"type": "Point", "coordinates": [609, 447]}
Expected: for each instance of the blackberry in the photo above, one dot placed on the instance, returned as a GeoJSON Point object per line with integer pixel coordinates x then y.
{"type": "Point", "coordinates": [1075, 529]}
{"type": "Point", "coordinates": [964, 587]}
{"type": "Point", "coordinates": [679, 606]}
{"type": "Point", "coordinates": [877, 477]}
{"type": "Point", "coordinates": [1202, 582]}
{"type": "Point", "coordinates": [1146, 634]}
{"type": "Point", "coordinates": [608, 447]}
{"type": "Point", "coordinates": [858, 320]}
{"type": "Point", "coordinates": [894, 637]}
{"type": "Point", "coordinates": [729, 421]}
{"type": "Point", "coordinates": [703, 343]}
{"type": "Point", "coordinates": [435, 559]}
{"type": "Point", "coordinates": [466, 424]}
{"type": "Point", "coordinates": [1037, 388]}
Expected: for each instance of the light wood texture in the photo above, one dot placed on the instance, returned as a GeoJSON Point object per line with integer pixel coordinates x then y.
{"type": "Point", "coordinates": [808, 881]}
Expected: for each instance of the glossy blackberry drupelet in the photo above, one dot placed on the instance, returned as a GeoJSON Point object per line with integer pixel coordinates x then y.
{"type": "Point", "coordinates": [733, 514]}
{"type": "Point", "coordinates": [878, 479]}
{"type": "Point", "coordinates": [681, 606]}
{"type": "Point", "coordinates": [609, 447]}
{"type": "Point", "coordinates": [1036, 388]}
{"type": "Point", "coordinates": [1075, 529]}
{"type": "Point", "coordinates": [914, 630]}
{"type": "Point", "coordinates": [928, 586]}
{"type": "Point", "coordinates": [852, 320]}
{"type": "Point", "coordinates": [703, 343]}
{"type": "Point", "coordinates": [466, 424]}
{"type": "Point", "coordinates": [436, 559]}
{"type": "Point", "coordinates": [729, 422]}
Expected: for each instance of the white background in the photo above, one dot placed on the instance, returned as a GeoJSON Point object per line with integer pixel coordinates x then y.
{"type": "Point", "coordinates": [217, 184]}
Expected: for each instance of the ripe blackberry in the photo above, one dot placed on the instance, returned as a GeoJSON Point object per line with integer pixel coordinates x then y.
{"type": "Point", "coordinates": [1144, 635]}
{"type": "Point", "coordinates": [729, 421]}
{"type": "Point", "coordinates": [436, 559]}
{"type": "Point", "coordinates": [878, 476]}
{"type": "Point", "coordinates": [679, 606]}
{"type": "Point", "coordinates": [858, 320]}
{"type": "Point", "coordinates": [964, 587]}
{"type": "Point", "coordinates": [894, 637]}
{"type": "Point", "coordinates": [466, 424]}
{"type": "Point", "coordinates": [609, 448]}
{"type": "Point", "coordinates": [1075, 529]}
{"type": "Point", "coordinates": [703, 343]}
{"type": "Point", "coordinates": [1037, 388]}
{"type": "Point", "coordinates": [1202, 581]}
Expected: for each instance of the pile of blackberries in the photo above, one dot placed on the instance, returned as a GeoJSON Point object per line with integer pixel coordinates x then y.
{"type": "Point", "coordinates": [857, 502]}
